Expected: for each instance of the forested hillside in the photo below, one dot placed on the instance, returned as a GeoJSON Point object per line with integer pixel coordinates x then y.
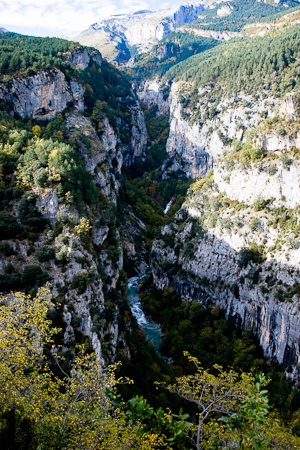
{"type": "Point", "coordinates": [174, 55]}
{"type": "Point", "coordinates": [183, 171]}
{"type": "Point", "coordinates": [177, 46]}
{"type": "Point", "coordinates": [258, 64]}
{"type": "Point", "coordinates": [238, 14]}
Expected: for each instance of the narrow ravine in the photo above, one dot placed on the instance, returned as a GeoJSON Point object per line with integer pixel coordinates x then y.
{"type": "Point", "coordinates": [151, 328]}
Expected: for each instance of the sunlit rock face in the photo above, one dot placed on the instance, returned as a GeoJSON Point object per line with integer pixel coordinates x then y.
{"type": "Point", "coordinates": [115, 35]}
{"type": "Point", "coordinates": [44, 95]}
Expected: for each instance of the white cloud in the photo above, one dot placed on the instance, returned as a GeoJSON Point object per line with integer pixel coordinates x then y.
{"type": "Point", "coordinates": [64, 16]}
{"type": "Point", "coordinates": [59, 17]}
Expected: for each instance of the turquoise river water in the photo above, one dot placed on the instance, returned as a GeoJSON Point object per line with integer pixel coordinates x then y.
{"type": "Point", "coordinates": [150, 327]}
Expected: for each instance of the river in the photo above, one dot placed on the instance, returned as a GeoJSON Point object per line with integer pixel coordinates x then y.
{"type": "Point", "coordinates": [151, 328]}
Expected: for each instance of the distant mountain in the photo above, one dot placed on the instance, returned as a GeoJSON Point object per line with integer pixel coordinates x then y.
{"type": "Point", "coordinates": [3, 30]}
{"type": "Point", "coordinates": [121, 36]}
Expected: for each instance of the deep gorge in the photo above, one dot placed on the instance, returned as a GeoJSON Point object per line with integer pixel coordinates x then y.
{"type": "Point", "coordinates": [157, 206]}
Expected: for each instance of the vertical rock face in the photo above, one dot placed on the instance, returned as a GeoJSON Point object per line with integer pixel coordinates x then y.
{"type": "Point", "coordinates": [253, 183]}
{"type": "Point", "coordinates": [199, 137]}
{"type": "Point", "coordinates": [152, 93]}
{"type": "Point", "coordinates": [88, 271]}
{"type": "Point", "coordinates": [237, 210]}
{"type": "Point", "coordinates": [79, 58]}
{"type": "Point", "coordinates": [44, 95]}
{"type": "Point", "coordinates": [142, 29]}
{"type": "Point", "coordinates": [138, 139]}
{"type": "Point", "coordinates": [206, 262]}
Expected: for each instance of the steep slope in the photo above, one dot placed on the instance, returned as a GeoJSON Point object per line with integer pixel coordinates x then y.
{"type": "Point", "coordinates": [232, 16]}
{"type": "Point", "coordinates": [245, 19]}
{"type": "Point", "coordinates": [60, 181]}
{"type": "Point", "coordinates": [121, 36]}
{"type": "Point", "coordinates": [235, 241]}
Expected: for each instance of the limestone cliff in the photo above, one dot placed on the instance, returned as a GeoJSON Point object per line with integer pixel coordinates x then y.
{"type": "Point", "coordinates": [243, 257]}
{"type": "Point", "coordinates": [116, 35]}
{"type": "Point", "coordinates": [84, 268]}
{"type": "Point", "coordinates": [200, 135]}
{"type": "Point", "coordinates": [44, 95]}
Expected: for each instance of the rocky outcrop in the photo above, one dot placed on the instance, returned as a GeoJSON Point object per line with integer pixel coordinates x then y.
{"type": "Point", "coordinates": [225, 10]}
{"type": "Point", "coordinates": [219, 35]}
{"type": "Point", "coordinates": [199, 137]}
{"type": "Point", "coordinates": [138, 139]}
{"type": "Point", "coordinates": [254, 182]}
{"type": "Point", "coordinates": [205, 263]}
{"type": "Point", "coordinates": [154, 92]}
{"type": "Point", "coordinates": [262, 28]}
{"type": "Point", "coordinates": [115, 35]}
{"type": "Point", "coordinates": [44, 95]}
{"type": "Point", "coordinates": [277, 325]}
{"type": "Point", "coordinates": [79, 58]}
{"type": "Point", "coordinates": [107, 154]}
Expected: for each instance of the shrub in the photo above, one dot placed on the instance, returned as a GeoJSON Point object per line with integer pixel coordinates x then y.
{"type": "Point", "coordinates": [29, 214]}
{"type": "Point", "coordinates": [6, 249]}
{"type": "Point", "coordinates": [282, 132]}
{"type": "Point", "coordinates": [259, 203]}
{"type": "Point", "coordinates": [237, 145]}
{"type": "Point", "coordinates": [36, 130]}
{"type": "Point", "coordinates": [212, 220]}
{"type": "Point", "coordinates": [40, 177]}
{"type": "Point", "coordinates": [34, 276]}
{"type": "Point", "coordinates": [254, 254]}
{"type": "Point", "coordinates": [226, 223]}
{"type": "Point", "coordinates": [63, 256]}
{"type": "Point", "coordinates": [9, 227]}
{"type": "Point", "coordinates": [10, 282]}
{"type": "Point", "coordinates": [83, 227]}
{"type": "Point", "coordinates": [293, 243]}
{"type": "Point", "coordinates": [272, 170]}
{"type": "Point", "coordinates": [254, 224]}
{"type": "Point", "coordinates": [45, 253]}
{"type": "Point", "coordinates": [229, 165]}
{"type": "Point", "coordinates": [286, 161]}
{"type": "Point", "coordinates": [250, 154]}
{"type": "Point", "coordinates": [81, 280]}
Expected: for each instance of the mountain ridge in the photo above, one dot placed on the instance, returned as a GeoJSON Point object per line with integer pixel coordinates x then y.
{"type": "Point", "coordinates": [117, 35]}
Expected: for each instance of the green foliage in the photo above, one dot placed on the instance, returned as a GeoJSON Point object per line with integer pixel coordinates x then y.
{"type": "Point", "coordinates": [249, 153]}
{"type": "Point", "coordinates": [173, 426]}
{"type": "Point", "coordinates": [66, 169]}
{"type": "Point", "coordinates": [28, 54]}
{"type": "Point", "coordinates": [203, 331]}
{"type": "Point", "coordinates": [45, 253]}
{"type": "Point", "coordinates": [34, 276]}
{"type": "Point", "coordinates": [286, 161]}
{"type": "Point", "coordinates": [260, 203]}
{"type": "Point", "coordinates": [82, 279]}
{"type": "Point", "coordinates": [254, 224]}
{"type": "Point", "coordinates": [107, 93]}
{"type": "Point", "coordinates": [9, 227]}
{"type": "Point", "coordinates": [253, 61]}
{"type": "Point", "coordinates": [254, 253]}
{"type": "Point", "coordinates": [10, 282]}
{"type": "Point", "coordinates": [63, 256]}
{"type": "Point", "coordinates": [245, 11]}
{"type": "Point", "coordinates": [29, 215]}
{"type": "Point", "coordinates": [40, 177]}
{"type": "Point", "coordinates": [177, 46]}
{"type": "Point", "coordinates": [272, 170]}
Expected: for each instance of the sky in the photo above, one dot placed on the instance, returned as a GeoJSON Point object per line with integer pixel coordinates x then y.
{"type": "Point", "coordinates": [61, 17]}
